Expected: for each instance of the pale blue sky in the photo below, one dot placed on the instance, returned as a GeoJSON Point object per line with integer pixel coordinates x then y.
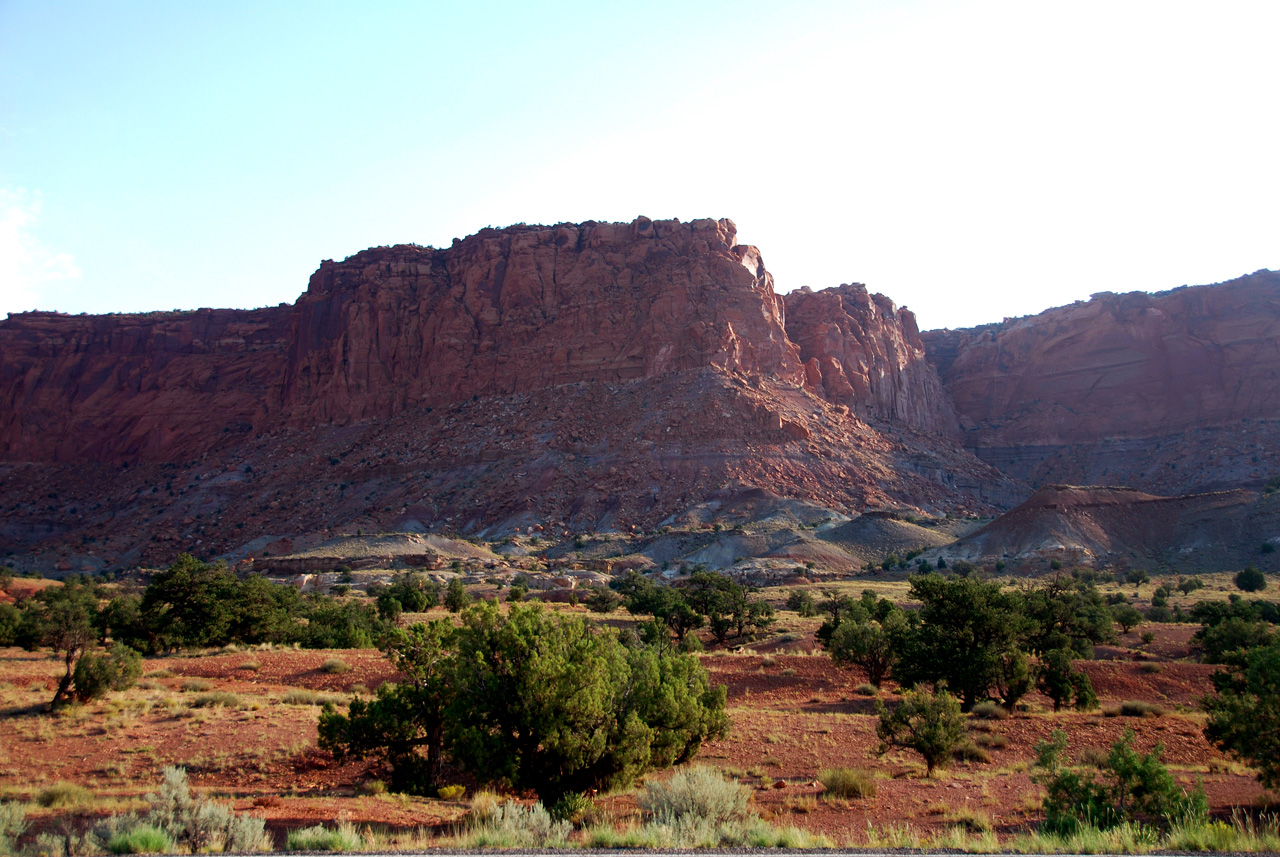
{"type": "Point", "coordinates": [969, 159]}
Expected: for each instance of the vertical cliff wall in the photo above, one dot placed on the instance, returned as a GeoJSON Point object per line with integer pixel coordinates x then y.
{"type": "Point", "coordinates": [861, 351]}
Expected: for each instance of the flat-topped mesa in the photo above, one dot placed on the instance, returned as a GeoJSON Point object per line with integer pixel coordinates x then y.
{"type": "Point", "coordinates": [529, 307]}
{"type": "Point", "coordinates": [861, 351]}
{"type": "Point", "coordinates": [396, 328]}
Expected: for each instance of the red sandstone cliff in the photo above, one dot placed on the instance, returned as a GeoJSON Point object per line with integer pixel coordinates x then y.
{"type": "Point", "coordinates": [143, 387]}
{"type": "Point", "coordinates": [1175, 392]}
{"type": "Point", "coordinates": [397, 329]}
{"type": "Point", "coordinates": [861, 351]}
{"type": "Point", "coordinates": [528, 307]}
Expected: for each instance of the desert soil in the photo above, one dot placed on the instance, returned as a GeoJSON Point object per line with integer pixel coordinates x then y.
{"type": "Point", "coordinates": [232, 718]}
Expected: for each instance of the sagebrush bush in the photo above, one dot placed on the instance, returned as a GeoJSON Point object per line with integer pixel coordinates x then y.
{"type": "Point", "coordinates": [191, 822]}
{"type": "Point", "coordinates": [451, 792]}
{"type": "Point", "coordinates": [699, 793]}
{"type": "Point", "coordinates": [848, 782]}
{"type": "Point", "coordinates": [334, 666]}
{"type": "Point", "coordinates": [483, 804]}
{"type": "Point", "coordinates": [511, 825]}
{"type": "Point", "coordinates": [13, 821]}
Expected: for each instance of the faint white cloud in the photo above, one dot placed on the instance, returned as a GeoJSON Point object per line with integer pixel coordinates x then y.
{"type": "Point", "coordinates": [27, 265]}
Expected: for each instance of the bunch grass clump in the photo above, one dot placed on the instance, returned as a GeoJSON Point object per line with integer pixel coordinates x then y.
{"type": "Point", "coordinates": [848, 783]}
{"type": "Point", "coordinates": [215, 699]}
{"type": "Point", "coordinates": [988, 710]}
{"type": "Point", "coordinates": [304, 696]}
{"type": "Point", "coordinates": [63, 795]}
{"type": "Point", "coordinates": [1140, 708]}
{"type": "Point", "coordinates": [344, 837]}
{"type": "Point", "coordinates": [143, 839]}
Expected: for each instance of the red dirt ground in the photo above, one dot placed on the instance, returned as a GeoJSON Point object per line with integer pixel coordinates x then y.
{"type": "Point", "coordinates": [793, 716]}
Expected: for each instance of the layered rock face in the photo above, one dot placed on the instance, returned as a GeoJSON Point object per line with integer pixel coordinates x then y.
{"type": "Point", "coordinates": [395, 329]}
{"type": "Point", "coordinates": [1213, 531]}
{"type": "Point", "coordinates": [145, 387]}
{"type": "Point", "coordinates": [1175, 392]}
{"type": "Point", "coordinates": [861, 351]}
{"type": "Point", "coordinates": [525, 308]}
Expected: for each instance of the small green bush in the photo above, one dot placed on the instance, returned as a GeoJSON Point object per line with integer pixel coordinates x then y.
{"type": "Point", "coordinates": [1132, 788]}
{"type": "Point", "coordinates": [96, 675]}
{"type": "Point", "coordinates": [372, 787]}
{"type": "Point", "coordinates": [1250, 580]}
{"type": "Point", "coordinates": [456, 595]}
{"type": "Point", "coordinates": [801, 601]}
{"type": "Point", "coordinates": [691, 644]}
{"type": "Point", "coordinates": [969, 751]}
{"type": "Point", "coordinates": [335, 666]}
{"type": "Point", "coordinates": [321, 838]}
{"type": "Point", "coordinates": [195, 685]}
{"type": "Point", "coordinates": [573, 808]}
{"type": "Point", "coordinates": [929, 723]}
{"type": "Point", "coordinates": [451, 792]}
{"type": "Point", "coordinates": [848, 783]}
